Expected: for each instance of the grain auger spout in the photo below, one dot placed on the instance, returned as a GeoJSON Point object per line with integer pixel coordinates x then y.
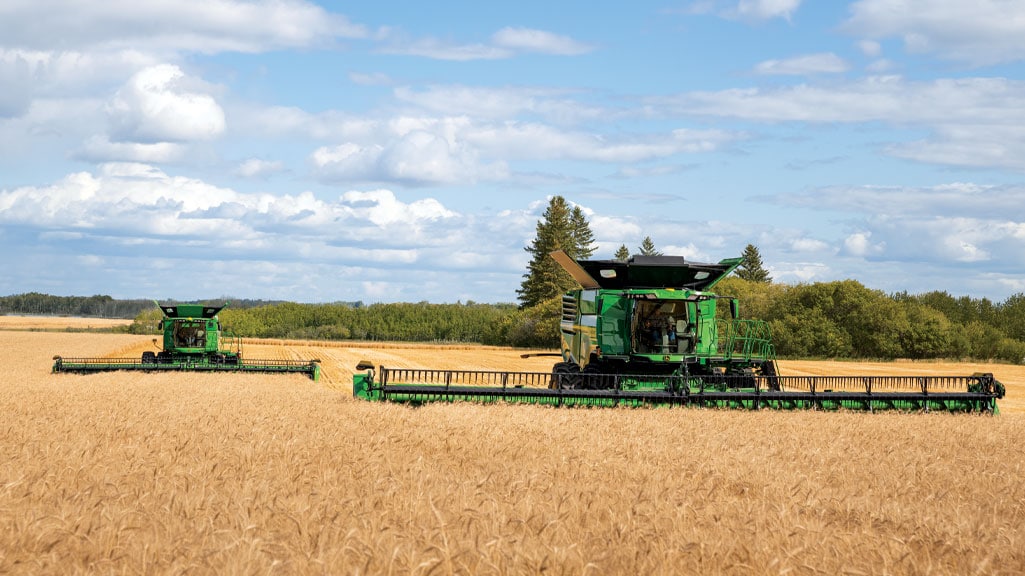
{"type": "Point", "coordinates": [651, 332]}
{"type": "Point", "coordinates": [192, 341]}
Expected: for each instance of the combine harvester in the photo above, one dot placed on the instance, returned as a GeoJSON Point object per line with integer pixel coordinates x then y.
{"type": "Point", "coordinates": [193, 341]}
{"type": "Point", "coordinates": [649, 332]}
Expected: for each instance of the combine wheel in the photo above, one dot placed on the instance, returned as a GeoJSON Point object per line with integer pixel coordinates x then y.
{"type": "Point", "coordinates": [591, 378]}
{"type": "Point", "coordinates": [164, 357]}
{"type": "Point", "coordinates": [148, 357]}
{"type": "Point", "coordinates": [565, 375]}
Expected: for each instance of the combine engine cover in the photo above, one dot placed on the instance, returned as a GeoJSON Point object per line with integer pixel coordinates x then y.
{"type": "Point", "coordinates": [192, 340]}
{"type": "Point", "coordinates": [649, 332]}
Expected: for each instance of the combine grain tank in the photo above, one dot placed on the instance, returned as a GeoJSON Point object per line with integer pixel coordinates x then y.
{"type": "Point", "coordinates": [650, 331]}
{"type": "Point", "coordinates": [193, 340]}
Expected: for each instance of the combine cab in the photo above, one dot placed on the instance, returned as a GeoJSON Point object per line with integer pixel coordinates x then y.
{"type": "Point", "coordinates": [193, 340]}
{"type": "Point", "coordinates": [649, 331]}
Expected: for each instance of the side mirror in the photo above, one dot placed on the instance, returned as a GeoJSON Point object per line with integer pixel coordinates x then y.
{"type": "Point", "coordinates": [734, 309]}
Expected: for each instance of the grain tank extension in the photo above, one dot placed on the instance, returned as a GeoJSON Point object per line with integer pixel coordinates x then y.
{"type": "Point", "coordinates": [192, 341]}
{"type": "Point", "coordinates": [651, 332]}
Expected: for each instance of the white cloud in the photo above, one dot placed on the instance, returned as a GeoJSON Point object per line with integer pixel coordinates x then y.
{"type": "Point", "coordinates": [259, 168]}
{"type": "Point", "coordinates": [99, 149]}
{"type": "Point", "coordinates": [963, 198]}
{"type": "Point", "coordinates": [57, 74]}
{"type": "Point", "coordinates": [825, 63]}
{"type": "Point", "coordinates": [383, 209]}
{"type": "Point", "coordinates": [870, 48]}
{"type": "Point", "coordinates": [505, 43]}
{"type": "Point", "coordinates": [974, 121]}
{"type": "Point", "coordinates": [765, 9]}
{"type": "Point", "coordinates": [860, 244]}
{"type": "Point", "coordinates": [207, 26]}
{"type": "Point", "coordinates": [146, 224]}
{"type": "Point", "coordinates": [143, 202]}
{"type": "Point", "coordinates": [417, 157]}
{"type": "Point", "coordinates": [953, 224]}
{"type": "Point", "coordinates": [441, 50]}
{"type": "Point", "coordinates": [978, 33]}
{"type": "Point", "coordinates": [531, 40]}
{"type": "Point", "coordinates": [793, 272]}
{"type": "Point", "coordinates": [160, 104]}
{"type": "Point", "coordinates": [809, 245]}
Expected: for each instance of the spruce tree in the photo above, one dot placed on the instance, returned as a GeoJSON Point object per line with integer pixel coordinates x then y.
{"type": "Point", "coordinates": [623, 254]}
{"type": "Point", "coordinates": [582, 235]}
{"type": "Point", "coordinates": [647, 247]}
{"type": "Point", "coordinates": [561, 228]}
{"type": "Point", "coordinates": [752, 268]}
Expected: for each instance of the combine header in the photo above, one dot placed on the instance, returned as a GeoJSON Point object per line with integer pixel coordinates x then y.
{"type": "Point", "coordinates": [649, 332]}
{"type": "Point", "coordinates": [193, 340]}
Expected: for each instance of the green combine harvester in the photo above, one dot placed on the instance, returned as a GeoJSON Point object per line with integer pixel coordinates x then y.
{"type": "Point", "coordinates": [193, 341]}
{"type": "Point", "coordinates": [650, 332]}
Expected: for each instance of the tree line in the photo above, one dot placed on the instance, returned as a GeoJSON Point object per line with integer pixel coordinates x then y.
{"type": "Point", "coordinates": [408, 322]}
{"type": "Point", "coordinates": [839, 319]}
{"type": "Point", "coordinates": [102, 306]}
{"type": "Point", "coordinates": [99, 306]}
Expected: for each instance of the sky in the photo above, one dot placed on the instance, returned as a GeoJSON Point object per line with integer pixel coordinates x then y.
{"type": "Point", "coordinates": [399, 151]}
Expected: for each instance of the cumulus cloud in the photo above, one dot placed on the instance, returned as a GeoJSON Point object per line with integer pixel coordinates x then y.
{"type": "Point", "coordinates": [911, 224]}
{"type": "Point", "coordinates": [161, 104]}
{"type": "Point", "coordinates": [973, 121]}
{"type": "Point", "coordinates": [55, 74]}
{"type": "Point", "coordinates": [383, 209]}
{"type": "Point", "coordinates": [976, 33]}
{"type": "Point", "coordinates": [144, 225]}
{"type": "Point", "coordinates": [145, 203]}
{"type": "Point", "coordinates": [860, 244]}
{"type": "Point", "coordinates": [416, 157]}
{"type": "Point", "coordinates": [206, 26]}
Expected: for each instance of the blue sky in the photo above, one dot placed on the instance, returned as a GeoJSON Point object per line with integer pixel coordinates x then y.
{"type": "Point", "coordinates": [404, 151]}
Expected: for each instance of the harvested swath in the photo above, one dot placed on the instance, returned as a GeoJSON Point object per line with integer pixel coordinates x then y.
{"type": "Point", "coordinates": [229, 473]}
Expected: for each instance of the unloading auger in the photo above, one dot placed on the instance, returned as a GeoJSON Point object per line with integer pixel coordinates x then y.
{"type": "Point", "coordinates": [645, 332]}
{"type": "Point", "coordinates": [193, 341]}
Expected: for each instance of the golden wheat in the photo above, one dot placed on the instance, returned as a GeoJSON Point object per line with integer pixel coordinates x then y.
{"type": "Point", "coordinates": [58, 322]}
{"type": "Point", "coordinates": [231, 474]}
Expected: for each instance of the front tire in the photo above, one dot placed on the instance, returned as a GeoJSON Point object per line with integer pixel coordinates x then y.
{"type": "Point", "coordinates": [565, 376]}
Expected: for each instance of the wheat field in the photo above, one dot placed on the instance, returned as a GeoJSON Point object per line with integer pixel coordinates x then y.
{"type": "Point", "coordinates": [134, 473]}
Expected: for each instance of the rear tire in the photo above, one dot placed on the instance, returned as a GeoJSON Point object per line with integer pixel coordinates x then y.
{"type": "Point", "coordinates": [148, 357]}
